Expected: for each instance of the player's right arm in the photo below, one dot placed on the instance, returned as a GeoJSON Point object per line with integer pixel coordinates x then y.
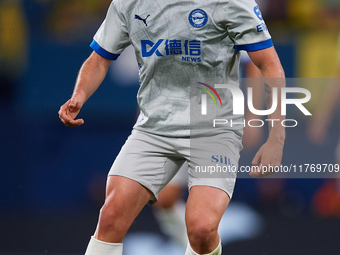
{"type": "Point", "coordinates": [90, 76]}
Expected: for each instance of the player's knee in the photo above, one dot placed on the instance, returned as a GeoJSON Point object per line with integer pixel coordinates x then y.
{"type": "Point", "coordinates": [109, 219]}
{"type": "Point", "coordinates": [201, 232]}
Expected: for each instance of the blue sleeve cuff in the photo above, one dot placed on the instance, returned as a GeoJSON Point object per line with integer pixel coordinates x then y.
{"type": "Point", "coordinates": [100, 51]}
{"type": "Point", "coordinates": [255, 46]}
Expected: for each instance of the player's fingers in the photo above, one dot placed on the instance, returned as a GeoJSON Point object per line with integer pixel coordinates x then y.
{"type": "Point", "coordinates": [256, 172]}
{"type": "Point", "coordinates": [67, 119]}
{"type": "Point", "coordinates": [62, 113]}
{"type": "Point", "coordinates": [76, 123]}
{"type": "Point", "coordinates": [72, 104]}
{"type": "Point", "coordinates": [72, 123]}
{"type": "Point", "coordinates": [256, 159]}
{"type": "Point", "coordinates": [75, 103]}
{"type": "Point", "coordinates": [63, 108]}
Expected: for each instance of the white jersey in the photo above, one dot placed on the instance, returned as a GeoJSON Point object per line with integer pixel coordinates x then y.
{"type": "Point", "coordinates": [176, 41]}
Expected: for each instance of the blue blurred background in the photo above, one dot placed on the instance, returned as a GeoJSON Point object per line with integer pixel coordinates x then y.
{"type": "Point", "coordinates": [52, 178]}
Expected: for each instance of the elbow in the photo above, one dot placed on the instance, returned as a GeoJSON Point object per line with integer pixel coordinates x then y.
{"type": "Point", "coordinates": [273, 70]}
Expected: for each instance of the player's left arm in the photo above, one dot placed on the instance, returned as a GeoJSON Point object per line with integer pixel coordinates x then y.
{"type": "Point", "coordinates": [270, 153]}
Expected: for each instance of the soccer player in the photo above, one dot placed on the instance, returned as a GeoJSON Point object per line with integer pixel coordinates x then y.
{"type": "Point", "coordinates": [175, 43]}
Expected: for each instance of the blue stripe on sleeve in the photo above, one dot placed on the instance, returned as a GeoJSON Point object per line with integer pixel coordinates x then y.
{"type": "Point", "coordinates": [255, 46]}
{"type": "Point", "coordinates": [105, 54]}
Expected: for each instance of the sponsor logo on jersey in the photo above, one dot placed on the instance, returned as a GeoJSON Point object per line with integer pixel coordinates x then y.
{"type": "Point", "coordinates": [222, 159]}
{"type": "Point", "coordinates": [261, 27]}
{"type": "Point", "coordinates": [153, 48]}
{"type": "Point", "coordinates": [144, 20]}
{"type": "Point", "coordinates": [198, 18]}
{"type": "Point", "coordinates": [258, 12]}
{"type": "Point", "coordinates": [190, 50]}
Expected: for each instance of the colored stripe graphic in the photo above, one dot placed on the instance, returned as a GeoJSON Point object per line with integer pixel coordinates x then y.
{"type": "Point", "coordinates": [218, 96]}
{"type": "Point", "coordinates": [208, 92]}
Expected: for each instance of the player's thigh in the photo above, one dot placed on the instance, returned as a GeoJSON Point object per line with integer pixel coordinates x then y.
{"type": "Point", "coordinates": [125, 198]}
{"type": "Point", "coordinates": [206, 205]}
{"type": "Point", "coordinates": [131, 195]}
{"type": "Point", "coordinates": [148, 159]}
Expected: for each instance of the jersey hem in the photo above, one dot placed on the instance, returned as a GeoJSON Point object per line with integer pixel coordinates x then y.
{"type": "Point", "coordinates": [102, 52]}
{"type": "Point", "coordinates": [255, 46]}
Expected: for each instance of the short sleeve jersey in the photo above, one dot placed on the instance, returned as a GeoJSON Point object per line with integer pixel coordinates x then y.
{"type": "Point", "coordinates": [176, 41]}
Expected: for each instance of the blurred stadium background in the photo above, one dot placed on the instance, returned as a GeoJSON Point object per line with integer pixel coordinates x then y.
{"type": "Point", "coordinates": [53, 178]}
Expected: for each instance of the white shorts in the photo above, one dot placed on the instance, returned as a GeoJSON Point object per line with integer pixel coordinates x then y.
{"type": "Point", "coordinates": [153, 160]}
{"type": "Point", "coordinates": [181, 178]}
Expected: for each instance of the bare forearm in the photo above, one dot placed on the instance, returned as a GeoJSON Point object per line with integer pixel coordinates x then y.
{"type": "Point", "coordinates": [274, 78]}
{"type": "Point", "coordinates": [91, 75]}
{"type": "Point", "coordinates": [276, 130]}
{"type": "Point", "coordinates": [270, 153]}
{"type": "Point", "coordinates": [255, 81]}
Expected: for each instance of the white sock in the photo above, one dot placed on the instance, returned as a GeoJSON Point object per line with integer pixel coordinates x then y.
{"type": "Point", "coordinates": [217, 251]}
{"type": "Point", "coordinates": [97, 247]}
{"type": "Point", "coordinates": [172, 223]}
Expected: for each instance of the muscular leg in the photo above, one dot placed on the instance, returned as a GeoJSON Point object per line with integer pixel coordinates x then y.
{"type": "Point", "coordinates": [125, 199]}
{"type": "Point", "coordinates": [204, 210]}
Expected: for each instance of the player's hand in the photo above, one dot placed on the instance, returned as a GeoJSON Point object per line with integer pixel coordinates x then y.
{"type": "Point", "coordinates": [270, 156]}
{"type": "Point", "coordinates": [69, 111]}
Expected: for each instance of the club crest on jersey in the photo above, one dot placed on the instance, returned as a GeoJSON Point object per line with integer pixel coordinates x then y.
{"type": "Point", "coordinates": [198, 18]}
